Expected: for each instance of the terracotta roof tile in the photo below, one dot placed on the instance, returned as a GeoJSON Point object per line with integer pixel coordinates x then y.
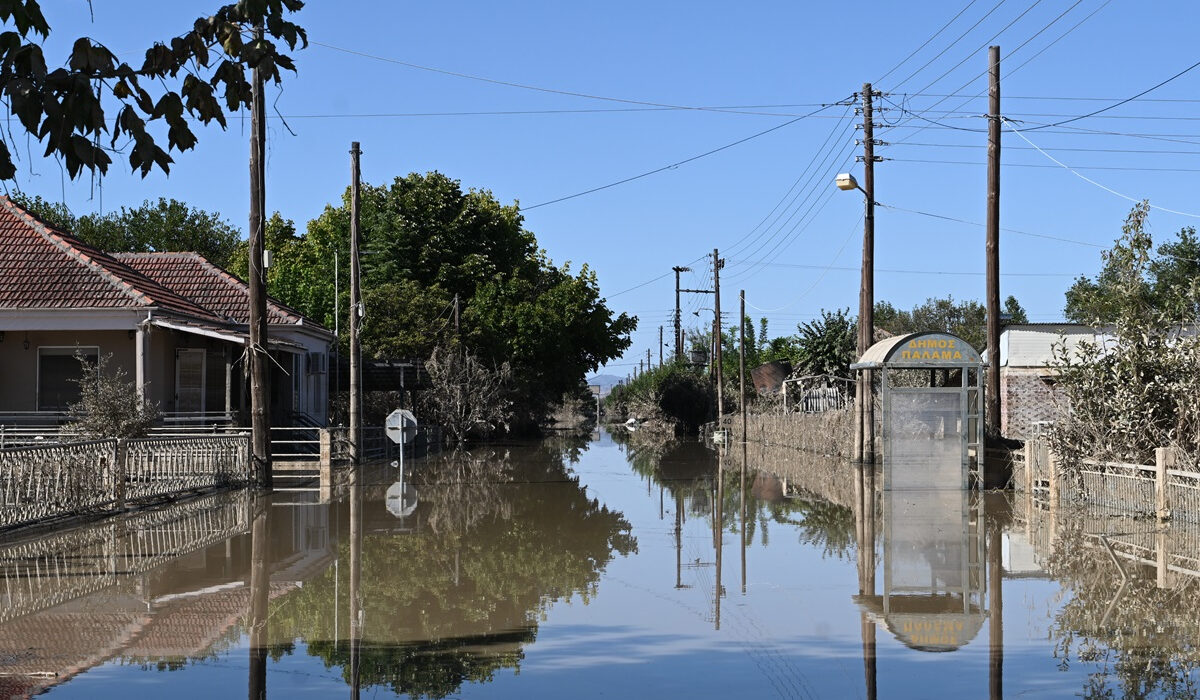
{"type": "Point", "coordinates": [193, 276]}
{"type": "Point", "coordinates": [42, 267]}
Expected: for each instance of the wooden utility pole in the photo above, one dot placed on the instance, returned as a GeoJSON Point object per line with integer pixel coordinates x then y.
{"type": "Point", "coordinates": [742, 360]}
{"type": "Point", "coordinates": [992, 390]}
{"type": "Point", "coordinates": [455, 315]}
{"type": "Point", "coordinates": [678, 330]}
{"type": "Point", "coordinates": [660, 346]}
{"type": "Point", "coordinates": [355, 311]}
{"type": "Point", "coordinates": [648, 365]}
{"type": "Point", "coordinates": [864, 387]}
{"type": "Point", "coordinates": [717, 264]}
{"type": "Point", "coordinates": [260, 377]}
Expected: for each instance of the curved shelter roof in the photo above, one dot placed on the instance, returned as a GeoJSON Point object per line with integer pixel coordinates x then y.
{"type": "Point", "coordinates": [920, 350]}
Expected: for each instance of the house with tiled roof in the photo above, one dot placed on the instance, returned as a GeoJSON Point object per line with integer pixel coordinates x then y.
{"type": "Point", "coordinates": [176, 323]}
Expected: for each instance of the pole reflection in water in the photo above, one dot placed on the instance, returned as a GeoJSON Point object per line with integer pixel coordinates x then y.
{"type": "Point", "coordinates": [719, 530]}
{"type": "Point", "coordinates": [995, 599]}
{"type": "Point", "coordinates": [356, 608]}
{"type": "Point", "coordinates": [260, 580]}
{"type": "Point", "coordinates": [742, 508]}
{"type": "Point", "coordinates": [865, 530]}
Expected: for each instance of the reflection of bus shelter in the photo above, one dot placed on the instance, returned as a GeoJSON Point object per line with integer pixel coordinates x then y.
{"type": "Point", "coordinates": [930, 388]}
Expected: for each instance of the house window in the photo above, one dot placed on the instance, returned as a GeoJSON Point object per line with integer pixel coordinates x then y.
{"type": "Point", "coordinates": [317, 363]}
{"type": "Point", "coordinates": [59, 373]}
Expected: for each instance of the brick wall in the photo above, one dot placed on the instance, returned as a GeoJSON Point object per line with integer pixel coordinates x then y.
{"type": "Point", "coordinates": [1026, 397]}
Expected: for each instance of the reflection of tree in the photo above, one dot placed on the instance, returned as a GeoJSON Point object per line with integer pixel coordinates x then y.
{"type": "Point", "coordinates": [1143, 639]}
{"type": "Point", "coordinates": [509, 533]}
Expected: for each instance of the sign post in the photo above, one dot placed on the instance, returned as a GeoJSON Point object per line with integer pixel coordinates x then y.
{"type": "Point", "coordinates": [400, 427]}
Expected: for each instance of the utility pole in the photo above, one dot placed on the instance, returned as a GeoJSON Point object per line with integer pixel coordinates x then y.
{"type": "Point", "coordinates": [660, 346]}
{"type": "Point", "coordinates": [864, 387]}
{"type": "Point", "coordinates": [355, 312]}
{"type": "Point", "coordinates": [260, 378]}
{"type": "Point", "coordinates": [992, 391]}
{"type": "Point", "coordinates": [456, 316]}
{"type": "Point", "coordinates": [742, 361]}
{"type": "Point", "coordinates": [678, 330]}
{"type": "Point", "coordinates": [648, 365]}
{"type": "Point", "coordinates": [717, 265]}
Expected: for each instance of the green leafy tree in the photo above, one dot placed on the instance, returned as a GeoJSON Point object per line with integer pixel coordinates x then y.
{"type": "Point", "coordinates": [197, 75]}
{"type": "Point", "coordinates": [165, 225]}
{"type": "Point", "coordinates": [827, 345]}
{"type": "Point", "coordinates": [1170, 274]}
{"type": "Point", "coordinates": [1016, 313]}
{"type": "Point", "coordinates": [966, 319]}
{"type": "Point", "coordinates": [425, 242]}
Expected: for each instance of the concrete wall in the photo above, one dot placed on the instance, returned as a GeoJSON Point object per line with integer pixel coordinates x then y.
{"type": "Point", "coordinates": [19, 367]}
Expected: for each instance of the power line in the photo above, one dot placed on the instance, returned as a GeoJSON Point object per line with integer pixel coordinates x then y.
{"type": "Point", "coordinates": [950, 46]}
{"type": "Point", "coordinates": [1040, 165]}
{"type": "Point", "coordinates": [1124, 101]}
{"type": "Point", "coordinates": [677, 163]}
{"type": "Point", "coordinates": [513, 84]}
{"type": "Point", "coordinates": [1088, 179]}
{"type": "Point", "coordinates": [1151, 151]}
{"type": "Point", "coordinates": [927, 41]}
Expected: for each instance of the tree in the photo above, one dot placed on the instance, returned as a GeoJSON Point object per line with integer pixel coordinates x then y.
{"type": "Point", "coordinates": [466, 396]}
{"type": "Point", "coordinates": [109, 406]}
{"type": "Point", "coordinates": [167, 225]}
{"type": "Point", "coordinates": [966, 319]}
{"type": "Point", "coordinates": [1138, 387]}
{"type": "Point", "coordinates": [65, 107]}
{"type": "Point", "coordinates": [1016, 313]}
{"type": "Point", "coordinates": [1170, 278]}
{"type": "Point", "coordinates": [427, 241]}
{"type": "Point", "coordinates": [827, 345]}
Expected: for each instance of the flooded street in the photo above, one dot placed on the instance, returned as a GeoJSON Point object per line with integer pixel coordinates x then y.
{"type": "Point", "coordinates": [584, 567]}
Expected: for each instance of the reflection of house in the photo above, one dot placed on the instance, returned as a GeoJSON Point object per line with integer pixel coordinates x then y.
{"type": "Point", "coordinates": [1027, 393]}
{"type": "Point", "coordinates": [175, 323]}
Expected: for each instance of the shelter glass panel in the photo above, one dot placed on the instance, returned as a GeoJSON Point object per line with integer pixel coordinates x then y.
{"type": "Point", "coordinates": [924, 439]}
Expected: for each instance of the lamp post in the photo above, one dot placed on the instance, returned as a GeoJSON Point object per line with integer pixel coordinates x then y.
{"type": "Point", "coordinates": [864, 426]}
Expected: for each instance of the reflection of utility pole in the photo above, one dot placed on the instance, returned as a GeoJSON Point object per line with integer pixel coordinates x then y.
{"type": "Point", "coordinates": [259, 585]}
{"type": "Point", "coordinates": [742, 527]}
{"type": "Point", "coordinates": [356, 610]}
{"type": "Point", "coordinates": [678, 540]}
{"type": "Point", "coordinates": [995, 612]}
{"type": "Point", "coordinates": [719, 518]}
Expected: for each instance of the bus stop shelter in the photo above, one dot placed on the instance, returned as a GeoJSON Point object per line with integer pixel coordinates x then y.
{"type": "Point", "coordinates": [931, 410]}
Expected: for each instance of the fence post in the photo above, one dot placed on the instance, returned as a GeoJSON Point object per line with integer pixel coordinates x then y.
{"type": "Point", "coordinates": [325, 439]}
{"type": "Point", "coordinates": [1052, 470]}
{"type": "Point", "coordinates": [1164, 459]}
{"type": "Point", "coordinates": [118, 470]}
{"type": "Point", "coordinates": [1030, 451]}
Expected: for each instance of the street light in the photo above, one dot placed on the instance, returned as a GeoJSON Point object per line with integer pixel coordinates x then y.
{"type": "Point", "coordinates": [864, 427]}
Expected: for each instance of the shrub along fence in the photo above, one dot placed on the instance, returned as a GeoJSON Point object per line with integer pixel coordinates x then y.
{"type": "Point", "coordinates": [1157, 489]}
{"type": "Point", "coordinates": [49, 481]}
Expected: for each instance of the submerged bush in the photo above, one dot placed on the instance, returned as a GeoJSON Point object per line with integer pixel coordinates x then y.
{"type": "Point", "coordinates": [675, 394]}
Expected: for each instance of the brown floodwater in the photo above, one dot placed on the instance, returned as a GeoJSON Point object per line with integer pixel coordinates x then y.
{"type": "Point", "coordinates": [594, 567]}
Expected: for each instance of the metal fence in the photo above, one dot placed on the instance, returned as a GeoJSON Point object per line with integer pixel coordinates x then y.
{"type": "Point", "coordinates": [1116, 485]}
{"type": "Point", "coordinates": [47, 481]}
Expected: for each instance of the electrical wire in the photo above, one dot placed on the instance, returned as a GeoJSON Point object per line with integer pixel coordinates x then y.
{"type": "Point", "coordinates": [1040, 165]}
{"type": "Point", "coordinates": [948, 47]}
{"type": "Point", "coordinates": [676, 164]}
{"type": "Point", "coordinates": [1087, 179]}
{"type": "Point", "coordinates": [513, 84]}
{"type": "Point", "coordinates": [935, 35]}
{"type": "Point", "coordinates": [820, 277]}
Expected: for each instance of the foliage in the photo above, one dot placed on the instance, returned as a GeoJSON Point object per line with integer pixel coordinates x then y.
{"type": "Point", "coordinates": [108, 406]}
{"type": "Point", "coordinates": [1169, 280]}
{"type": "Point", "coordinates": [426, 241]}
{"type": "Point", "coordinates": [1137, 387]}
{"type": "Point", "coordinates": [966, 319]}
{"type": "Point", "coordinates": [465, 395]}
{"type": "Point", "coordinates": [503, 535]}
{"type": "Point", "coordinates": [207, 64]}
{"type": "Point", "coordinates": [674, 394]}
{"type": "Point", "coordinates": [167, 225]}
{"type": "Point", "coordinates": [1016, 312]}
{"type": "Point", "coordinates": [827, 345]}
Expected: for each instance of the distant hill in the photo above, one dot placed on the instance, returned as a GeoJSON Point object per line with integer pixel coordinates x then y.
{"type": "Point", "coordinates": [606, 382]}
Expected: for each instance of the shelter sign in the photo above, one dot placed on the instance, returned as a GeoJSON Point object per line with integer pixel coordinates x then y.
{"type": "Point", "coordinates": [935, 349]}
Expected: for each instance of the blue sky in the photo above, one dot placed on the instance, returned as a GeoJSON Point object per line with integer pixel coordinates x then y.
{"type": "Point", "coordinates": [790, 239]}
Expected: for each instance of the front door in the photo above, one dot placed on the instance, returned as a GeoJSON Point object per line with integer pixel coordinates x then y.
{"type": "Point", "coordinates": [189, 380]}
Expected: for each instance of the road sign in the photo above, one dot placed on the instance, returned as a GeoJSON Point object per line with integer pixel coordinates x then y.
{"type": "Point", "coordinates": [401, 499]}
{"type": "Point", "coordinates": [401, 426]}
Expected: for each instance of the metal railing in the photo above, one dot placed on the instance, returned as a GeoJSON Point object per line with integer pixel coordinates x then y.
{"type": "Point", "coordinates": [1118, 485]}
{"type": "Point", "coordinates": [56, 480]}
